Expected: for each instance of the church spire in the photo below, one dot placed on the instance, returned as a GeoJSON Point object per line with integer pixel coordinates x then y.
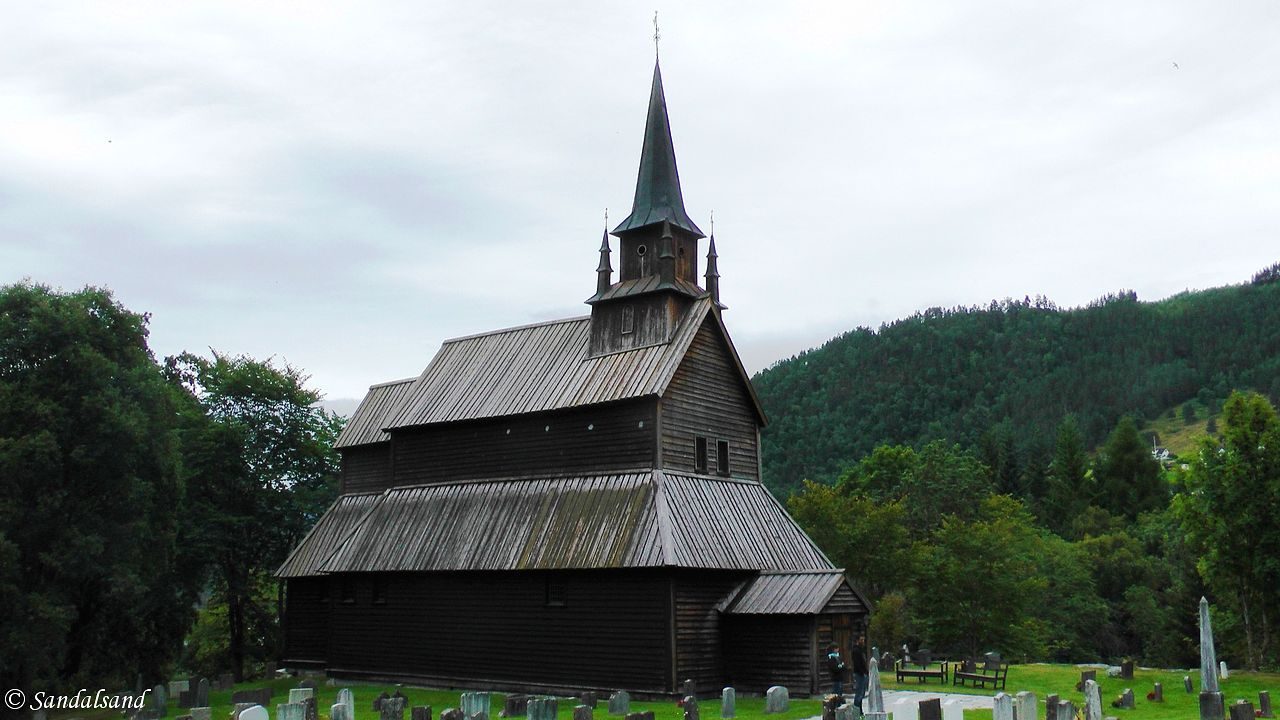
{"type": "Point", "coordinates": [604, 271]}
{"type": "Point", "coordinates": [713, 270]}
{"type": "Point", "coordinates": [658, 196]}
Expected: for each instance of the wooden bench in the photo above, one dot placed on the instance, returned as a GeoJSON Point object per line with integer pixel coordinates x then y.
{"type": "Point", "coordinates": [922, 670]}
{"type": "Point", "coordinates": [993, 672]}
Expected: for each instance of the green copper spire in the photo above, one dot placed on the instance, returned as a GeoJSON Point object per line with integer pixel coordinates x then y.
{"type": "Point", "coordinates": [658, 195]}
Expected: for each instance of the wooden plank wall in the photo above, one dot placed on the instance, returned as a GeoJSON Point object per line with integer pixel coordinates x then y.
{"type": "Point", "coordinates": [765, 650]}
{"type": "Point", "coordinates": [697, 631]}
{"type": "Point", "coordinates": [706, 398]}
{"type": "Point", "coordinates": [582, 440]}
{"type": "Point", "coordinates": [366, 468]}
{"type": "Point", "coordinates": [306, 618]}
{"type": "Point", "coordinates": [496, 629]}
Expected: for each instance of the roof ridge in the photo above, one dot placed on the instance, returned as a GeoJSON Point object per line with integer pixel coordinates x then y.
{"type": "Point", "coordinates": [534, 477]}
{"type": "Point", "coordinates": [389, 383]}
{"type": "Point", "coordinates": [515, 328]}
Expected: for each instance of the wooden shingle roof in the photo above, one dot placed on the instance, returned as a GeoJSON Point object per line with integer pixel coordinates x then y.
{"type": "Point", "coordinates": [366, 423]}
{"type": "Point", "coordinates": [803, 592]}
{"type": "Point", "coordinates": [640, 519]}
{"type": "Point", "coordinates": [337, 523]}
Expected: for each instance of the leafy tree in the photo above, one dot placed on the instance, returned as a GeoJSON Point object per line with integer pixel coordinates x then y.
{"type": "Point", "coordinates": [1188, 414]}
{"type": "Point", "coordinates": [866, 537]}
{"type": "Point", "coordinates": [928, 481]}
{"type": "Point", "coordinates": [1130, 480]}
{"type": "Point", "coordinates": [261, 468]}
{"type": "Point", "coordinates": [978, 585]}
{"type": "Point", "coordinates": [1228, 510]}
{"type": "Point", "coordinates": [94, 585]}
{"type": "Point", "coordinates": [1069, 488]}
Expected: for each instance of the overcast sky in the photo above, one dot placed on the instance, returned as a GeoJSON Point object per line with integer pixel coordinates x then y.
{"type": "Point", "coordinates": [343, 186]}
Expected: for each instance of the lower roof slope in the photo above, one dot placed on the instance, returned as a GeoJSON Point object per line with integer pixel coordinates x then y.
{"type": "Point", "coordinates": [622, 520]}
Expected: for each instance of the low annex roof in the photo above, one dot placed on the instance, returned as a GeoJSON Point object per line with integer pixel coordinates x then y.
{"type": "Point", "coordinates": [802, 592]}
{"type": "Point", "coordinates": [623, 520]}
{"type": "Point", "coordinates": [532, 368]}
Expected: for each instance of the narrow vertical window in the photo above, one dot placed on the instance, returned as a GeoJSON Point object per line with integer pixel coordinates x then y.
{"type": "Point", "coordinates": [700, 454]}
{"type": "Point", "coordinates": [348, 589]}
{"type": "Point", "coordinates": [722, 457]}
{"type": "Point", "coordinates": [380, 590]}
{"type": "Point", "coordinates": [555, 593]}
{"type": "Point", "coordinates": [628, 320]}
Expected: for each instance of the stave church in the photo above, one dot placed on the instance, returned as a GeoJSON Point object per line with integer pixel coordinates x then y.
{"type": "Point", "coordinates": [574, 505]}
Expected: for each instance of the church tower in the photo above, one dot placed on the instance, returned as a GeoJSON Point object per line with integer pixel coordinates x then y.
{"type": "Point", "coordinates": [657, 248]}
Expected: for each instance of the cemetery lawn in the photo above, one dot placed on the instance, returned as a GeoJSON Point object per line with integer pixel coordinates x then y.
{"type": "Point", "coordinates": [1044, 680]}
{"type": "Point", "coordinates": [749, 708]}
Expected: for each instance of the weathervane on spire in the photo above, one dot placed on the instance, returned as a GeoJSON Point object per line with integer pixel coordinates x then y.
{"type": "Point", "coordinates": [713, 222]}
{"type": "Point", "coordinates": [606, 218]}
{"type": "Point", "coordinates": [656, 35]}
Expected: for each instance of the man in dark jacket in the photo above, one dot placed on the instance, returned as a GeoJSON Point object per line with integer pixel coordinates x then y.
{"type": "Point", "coordinates": [861, 674]}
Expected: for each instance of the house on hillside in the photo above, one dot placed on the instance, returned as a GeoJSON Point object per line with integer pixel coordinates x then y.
{"type": "Point", "coordinates": [574, 504]}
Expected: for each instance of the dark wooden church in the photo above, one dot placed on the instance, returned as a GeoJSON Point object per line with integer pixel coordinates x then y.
{"type": "Point", "coordinates": [574, 504]}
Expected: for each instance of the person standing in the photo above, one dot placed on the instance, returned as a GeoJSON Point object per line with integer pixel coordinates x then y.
{"type": "Point", "coordinates": [835, 666]}
{"type": "Point", "coordinates": [861, 675]}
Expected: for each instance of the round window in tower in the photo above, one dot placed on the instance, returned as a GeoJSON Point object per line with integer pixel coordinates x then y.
{"type": "Point", "coordinates": [641, 250]}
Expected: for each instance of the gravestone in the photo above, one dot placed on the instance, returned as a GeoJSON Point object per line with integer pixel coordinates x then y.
{"type": "Point", "coordinates": [1264, 704]}
{"type": "Point", "coordinates": [876, 716]}
{"type": "Point", "coordinates": [1051, 707]}
{"type": "Point", "coordinates": [728, 702]}
{"type": "Point", "coordinates": [690, 707]}
{"type": "Point", "coordinates": [1025, 707]}
{"type": "Point", "coordinates": [1126, 699]}
{"type": "Point", "coordinates": [904, 708]}
{"type": "Point", "coordinates": [620, 703]}
{"type": "Point", "coordinates": [1211, 706]}
{"type": "Point", "coordinates": [515, 705]}
{"type": "Point", "coordinates": [257, 696]}
{"type": "Point", "coordinates": [226, 681]}
{"type": "Point", "coordinates": [201, 698]}
{"type": "Point", "coordinates": [1186, 684]}
{"type": "Point", "coordinates": [392, 708]}
{"type": "Point", "coordinates": [290, 711]}
{"type": "Point", "coordinates": [1222, 670]}
{"type": "Point", "coordinates": [953, 709]}
{"type": "Point", "coordinates": [688, 687]}
{"type": "Point", "coordinates": [201, 713]}
{"type": "Point", "coordinates": [543, 708]}
{"type": "Point", "coordinates": [400, 695]}
{"type": "Point", "coordinates": [1208, 659]}
{"type": "Point", "coordinates": [254, 712]}
{"type": "Point", "coordinates": [582, 712]}
{"type": "Point", "coordinates": [311, 709]}
{"type": "Point", "coordinates": [452, 714]}
{"type": "Point", "coordinates": [830, 703]}
{"type": "Point", "coordinates": [270, 673]}
{"type": "Point", "coordinates": [1242, 710]}
{"type": "Point", "coordinates": [472, 703]}
{"type": "Point", "coordinates": [1126, 670]}
{"type": "Point", "coordinates": [1157, 692]}
{"type": "Point", "coordinates": [589, 699]}
{"type": "Point", "coordinates": [847, 712]}
{"type": "Point", "coordinates": [340, 711]}
{"type": "Point", "coordinates": [422, 712]}
{"type": "Point", "coordinates": [646, 715]}
{"type": "Point", "coordinates": [177, 687]}
{"type": "Point", "coordinates": [159, 701]}
{"type": "Point", "coordinates": [777, 700]}
{"type": "Point", "coordinates": [931, 709]}
{"type": "Point", "coordinates": [1002, 707]}
{"type": "Point", "coordinates": [377, 702]}
{"type": "Point", "coordinates": [238, 708]}
{"type": "Point", "coordinates": [1066, 710]}
{"type": "Point", "coordinates": [346, 698]}
{"type": "Point", "coordinates": [297, 695]}
{"type": "Point", "coordinates": [1085, 676]}
{"type": "Point", "coordinates": [875, 696]}
{"type": "Point", "coordinates": [330, 682]}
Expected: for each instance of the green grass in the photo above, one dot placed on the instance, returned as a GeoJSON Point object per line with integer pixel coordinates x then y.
{"type": "Point", "coordinates": [1044, 680]}
{"type": "Point", "coordinates": [1040, 679]}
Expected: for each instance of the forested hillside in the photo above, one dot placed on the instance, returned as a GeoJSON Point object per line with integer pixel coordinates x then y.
{"type": "Point", "coordinates": [1000, 379]}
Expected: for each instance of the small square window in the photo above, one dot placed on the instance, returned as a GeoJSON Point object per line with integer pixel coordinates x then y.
{"type": "Point", "coordinates": [555, 593]}
{"type": "Point", "coordinates": [722, 457]}
{"type": "Point", "coordinates": [700, 455]}
{"type": "Point", "coordinates": [380, 590]}
{"type": "Point", "coordinates": [348, 589]}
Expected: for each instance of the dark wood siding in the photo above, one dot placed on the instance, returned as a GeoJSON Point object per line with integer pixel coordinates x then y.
{"type": "Point", "coordinates": [698, 626]}
{"type": "Point", "coordinates": [764, 650]}
{"type": "Point", "coordinates": [653, 319]}
{"type": "Point", "coordinates": [306, 619]}
{"type": "Point", "coordinates": [601, 438]}
{"type": "Point", "coordinates": [497, 629]}
{"type": "Point", "coordinates": [366, 468]}
{"type": "Point", "coordinates": [706, 398]}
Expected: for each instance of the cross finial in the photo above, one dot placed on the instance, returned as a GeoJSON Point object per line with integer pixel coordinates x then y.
{"type": "Point", "coordinates": [606, 217]}
{"type": "Point", "coordinates": [713, 222]}
{"type": "Point", "coordinates": [656, 35]}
